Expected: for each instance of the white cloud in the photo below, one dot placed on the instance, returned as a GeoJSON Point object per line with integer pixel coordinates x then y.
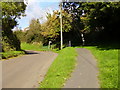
{"type": "Point", "coordinates": [37, 9]}
{"type": "Point", "coordinates": [44, 1]}
{"type": "Point", "coordinates": [34, 10]}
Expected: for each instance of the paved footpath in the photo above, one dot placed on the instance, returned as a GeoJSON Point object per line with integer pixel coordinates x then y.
{"type": "Point", "coordinates": [86, 71]}
{"type": "Point", "coordinates": [26, 71]}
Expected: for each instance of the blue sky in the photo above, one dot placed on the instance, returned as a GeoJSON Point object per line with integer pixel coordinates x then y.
{"type": "Point", "coordinates": [37, 9]}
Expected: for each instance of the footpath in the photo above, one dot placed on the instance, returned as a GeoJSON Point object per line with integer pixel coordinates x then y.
{"type": "Point", "coordinates": [85, 73]}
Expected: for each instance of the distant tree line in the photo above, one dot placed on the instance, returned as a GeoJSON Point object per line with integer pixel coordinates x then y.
{"type": "Point", "coordinates": [47, 31]}
{"type": "Point", "coordinates": [33, 34]}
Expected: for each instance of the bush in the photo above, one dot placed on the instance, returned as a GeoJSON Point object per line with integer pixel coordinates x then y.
{"type": "Point", "coordinates": [9, 54]}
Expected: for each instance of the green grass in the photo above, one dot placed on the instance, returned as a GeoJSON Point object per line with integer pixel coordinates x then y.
{"type": "Point", "coordinates": [61, 69]}
{"type": "Point", "coordinates": [108, 66]}
{"type": "Point", "coordinates": [6, 55]}
{"type": "Point", "coordinates": [26, 46]}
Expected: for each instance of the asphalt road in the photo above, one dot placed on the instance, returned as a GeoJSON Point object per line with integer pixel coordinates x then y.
{"type": "Point", "coordinates": [85, 73]}
{"type": "Point", "coordinates": [26, 71]}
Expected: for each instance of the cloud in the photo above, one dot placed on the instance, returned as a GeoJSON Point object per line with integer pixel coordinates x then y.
{"type": "Point", "coordinates": [44, 1]}
{"type": "Point", "coordinates": [37, 9]}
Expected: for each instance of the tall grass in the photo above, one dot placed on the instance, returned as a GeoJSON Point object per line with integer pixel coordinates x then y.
{"type": "Point", "coordinates": [60, 69]}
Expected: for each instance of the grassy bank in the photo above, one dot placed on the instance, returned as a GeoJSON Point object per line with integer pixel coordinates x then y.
{"type": "Point", "coordinates": [26, 46]}
{"type": "Point", "coordinates": [60, 69]}
{"type": "Point", "coordinates": [6, 55]}
{"type": "Point", "coordinates": [108, 66]}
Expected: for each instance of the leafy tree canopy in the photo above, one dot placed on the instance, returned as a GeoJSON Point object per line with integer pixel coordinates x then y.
{"type": "Point", "coordinates": [10, 12]}
{"type": "Point", "coordinates": [51, 28]}
{"type": "Point", "coordinates": [34, 32]}
{"type": "Point", "coordinates": [100, 19]}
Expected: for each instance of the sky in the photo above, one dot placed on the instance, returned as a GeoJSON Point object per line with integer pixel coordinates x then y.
{"type": "Point", "coordinates": [37, 9]}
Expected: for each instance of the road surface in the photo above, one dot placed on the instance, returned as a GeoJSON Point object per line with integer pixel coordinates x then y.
{"type": "Point", "coordinates": [26, 71]}
{"type": "Point", "coordinates": [85, 73]}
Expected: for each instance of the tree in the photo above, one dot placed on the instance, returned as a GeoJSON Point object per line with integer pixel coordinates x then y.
{"type": "Point", "coordinates": [34, 32]}
{"type": "Point", "coordinates": [10, 12]}
{"type": "Point", "coordinates": [51, 28]}
{"type": "Point", "coordinates": [100, 21]}
{"type": "Point", "coordinates": [20, 35]}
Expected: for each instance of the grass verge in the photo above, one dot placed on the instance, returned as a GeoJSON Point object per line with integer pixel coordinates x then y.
{"type": "Point", "coordinates": [6, 55]}
{"type": "Point", "coordinates": [60, 69]}
{"type": "Point", "coordinates": [26, 46]}
{"type": "Point", "coordinates": [108, 66]}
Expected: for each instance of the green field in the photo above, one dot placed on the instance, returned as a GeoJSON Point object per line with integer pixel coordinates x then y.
{"type": "Point", "coordinates": [61, 69]}
{"type": "Point", "coordinates": [26, 46]}
{"type": "Point", "coordinates": [108, 66]}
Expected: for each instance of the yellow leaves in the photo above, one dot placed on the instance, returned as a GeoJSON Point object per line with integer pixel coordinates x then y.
{"type": "Point", "coordinates": [44, 33]}
{"type": "Point", "coordinates": [83, 17]}
{"type": "Point", "coordinates": [52, 26]}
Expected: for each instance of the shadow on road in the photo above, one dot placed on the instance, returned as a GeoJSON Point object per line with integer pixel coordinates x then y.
{"type": "Point", "coordinates": [30, 52]}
